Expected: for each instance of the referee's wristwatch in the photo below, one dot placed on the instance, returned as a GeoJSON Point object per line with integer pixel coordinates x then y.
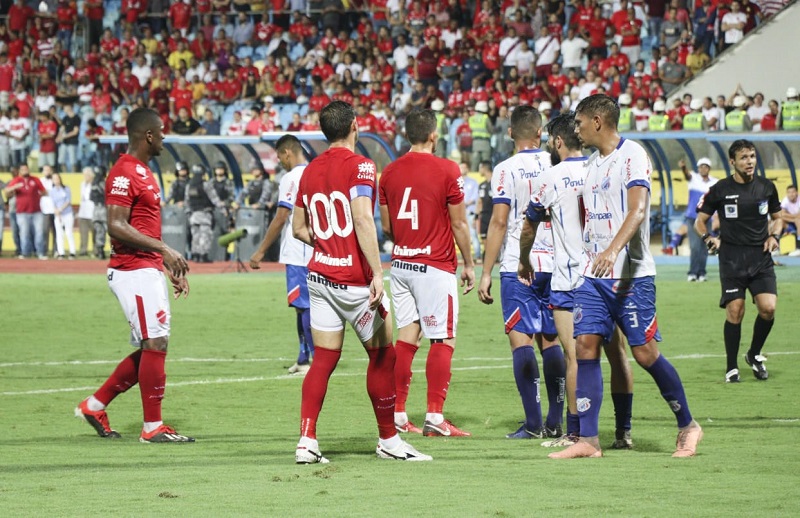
{"type": "Point", "coordinates": [777, 237]}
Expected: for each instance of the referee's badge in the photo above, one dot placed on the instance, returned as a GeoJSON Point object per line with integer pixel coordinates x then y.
{"type": "Point", "coordinates": [732, 211]}
{"type": "Point", "coordinates": [762, 208]}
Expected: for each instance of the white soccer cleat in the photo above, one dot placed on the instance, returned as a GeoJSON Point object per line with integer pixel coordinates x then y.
{"type": "Point", "coordinates": [403, 452]}
{"type": "Point", "coordinates": [299, 369]}
{"type": "Point", "coordinates": [307, 452]}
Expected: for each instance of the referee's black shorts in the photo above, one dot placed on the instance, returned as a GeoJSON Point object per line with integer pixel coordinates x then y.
{"type": "Point", "coordinates": [743, 268]}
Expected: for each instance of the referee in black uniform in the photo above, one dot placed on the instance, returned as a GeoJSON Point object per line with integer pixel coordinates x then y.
{"type": "Point", "coordinates": [750, 225]}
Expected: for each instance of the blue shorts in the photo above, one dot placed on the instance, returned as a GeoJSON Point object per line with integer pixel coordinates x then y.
{"type": "Point", "coordinates": [562, 300]}
{"type": "Point", "coordinates": [297, 286]}
{"type": "Point", "coordinates": [526, 309]}
{"type": "Point", "coordinates": [628, 303]}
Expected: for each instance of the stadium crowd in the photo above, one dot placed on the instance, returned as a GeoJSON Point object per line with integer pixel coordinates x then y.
{"type": "Point", "coordinates": [72, 71]}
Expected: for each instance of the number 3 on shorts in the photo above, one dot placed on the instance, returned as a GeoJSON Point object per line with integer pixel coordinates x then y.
{"type": "Point", "coordinates": [408, 209]}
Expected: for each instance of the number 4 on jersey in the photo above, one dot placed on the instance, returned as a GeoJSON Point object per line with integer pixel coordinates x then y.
{"type": "Point", "coordinates": [408, 209]}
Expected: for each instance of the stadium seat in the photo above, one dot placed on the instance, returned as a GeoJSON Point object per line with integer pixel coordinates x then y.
{"type": "Point", "coordinates": [245, 51]}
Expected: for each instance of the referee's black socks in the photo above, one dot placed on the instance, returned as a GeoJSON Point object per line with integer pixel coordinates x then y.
{"type": "Point", "coordinates": [733, 336]}
{"type": "Point", "coordinates": [761, 329]}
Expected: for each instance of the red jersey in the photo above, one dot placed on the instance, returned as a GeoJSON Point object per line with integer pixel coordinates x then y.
{"type": "Point", "coordinates": [7, 74]}
{"type": "Point", "coordinates": [29, 197]}
{"type": "Point", "coordinates": [317, 102]}
{"type": "Point", "coordinates": [181, 15]}
{"type": "Point", "coordinates": [66, 16]}
{"type": "Point", "coordinates": [47, 144]}
{"type": "Point", "coordinates": [418, 208]}
{"type": "Point", "coordinates": [131, 184]}
{"type": "Point", "coordinates": [329, 183]}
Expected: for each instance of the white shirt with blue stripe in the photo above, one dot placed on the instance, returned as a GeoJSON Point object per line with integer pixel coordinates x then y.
{"type": "Point", "coordinates": [512, 185]}
{"type": "Point", "coordinates": [605, 197]}
{"type": "Point", "coordinates": [293, 251]}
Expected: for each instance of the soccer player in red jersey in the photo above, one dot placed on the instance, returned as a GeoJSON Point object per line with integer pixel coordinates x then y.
{"type": "Point", "coordinates": [333, 213]}
{"type": "Point", "coordinates": [135, 276]}
{"type": "Point", "coordinates": [422, 210]}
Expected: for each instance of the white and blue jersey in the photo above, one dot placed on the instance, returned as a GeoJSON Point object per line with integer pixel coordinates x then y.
{"type": "Point", "coordinates": [605, 198]}
{"type": "Point", "coordinates": [525, 308]}
{"type": "Point", "coordinates": [294, 253]}
{"type": "Point", "coordinates": [698, 187]}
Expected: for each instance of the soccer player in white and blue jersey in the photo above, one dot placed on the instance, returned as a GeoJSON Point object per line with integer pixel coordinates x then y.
{"type": "Point", "coordinates": [560, 190]}
{"type": "Point", "coordinates": [294, 253]}
{"type": "Point", "coordinates": [525, 308]}
{"type": "Point", "coordinates": [619, 276]}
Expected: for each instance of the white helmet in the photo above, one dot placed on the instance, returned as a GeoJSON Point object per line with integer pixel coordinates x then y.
{"type": "Point", "coordinates": [696, 104]}
{"type": "Point", "coordinates": [482, 106]}
{"type": "Point", "coordinates": [659, 106]}
{"type": "Point", "coordinates": [791, 92]}
{"type": "Point", "coordinates": [739, 101]}
{"type": "Point", "coordinates": [437, 105]}
{"type": "Point", "coordinates": [625, 100]}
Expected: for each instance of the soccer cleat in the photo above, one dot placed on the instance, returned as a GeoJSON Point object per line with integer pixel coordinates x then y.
{"type": "Point", "coordinates": [443, 429]}
{"type": "Point", "coordinates": [579, 450]}
{"type": "Point", "coordinates": [686, 444]}
{"type": "Point", "coordinates": [403, 452]}
{"type": "Point", "coordinates": [622, 440]}
{"type": "Point", "coordinates": [732, 376]}
{"type": "Point", "coordinates": [524, 433]}
{"type": "Point", "coordinates": [701, 278]}
{"type": "Point", "coordinates": [409, 427]}
{"type": "Point", "coordinates": [692, 278]}
{"type": "Point", "coordinates": [299, 369]}
{"type": "Point", "coordinates": [307, 452]}
{"type": "Point", "coordinates": [564, 441]}
{"type": "Point", "coordinates": [552, 432]}
{"type": "Point", "coordinates": [668, 251]}
{"type": "Point", "coordinates": [98, 420]}
{"type": "Point", "coordinates": [163, 433]}
{"type": "Point", "coordinates": [757, 364]}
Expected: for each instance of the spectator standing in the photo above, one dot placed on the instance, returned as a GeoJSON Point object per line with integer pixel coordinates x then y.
{"type": "Point", "coordinates": [68, 139]}
{"type": "Point", "coordinates": [733, 23]}
{"type": "Point", "coordinates": [61, 196]}
{"type": "Point", "coordinates": [18, 130]}
{"type": "Point", "coordinates": [48, 129]}
{"type": "Point", "coordinates": [27, 190]}
{"type": "Point", "coordinates": [699, 184]}
{"type": "Point", "coordinates": [694, 120]}
{"type": "Point", "coordinates": [757, 111]}
{"type": "Point", "coordinates": [672, 73]}
{"type": "Point", "coordinates": [790, 111]}
{"type": "Point", "coordinates": [85, 211]}
{"type": "Point", "coordinates": [737, 119]}
{"type": "Point", "coordinates": [790, 214]}
{"type": "Point", "coordinates": [671, 28]}
{"type": "Point", "coordinates": [48, 211]}
{"type": "Point", "coordinates": [770, 120]}
{"type": "Point", "coordinates": [481, 129]}
{"type": "Point", "coordinates": [547, 50]}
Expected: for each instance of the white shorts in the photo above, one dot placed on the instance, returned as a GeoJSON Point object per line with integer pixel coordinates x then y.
{"type": "Point", "coordinates": [424, 293]}
{"type": "Point", "coordinates": [145, 301]}
{"type": "Point", "coordinates": [334, 304]}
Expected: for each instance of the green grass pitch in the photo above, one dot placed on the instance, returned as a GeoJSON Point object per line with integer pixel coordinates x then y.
{"type": "Point", "coordinates": [231, 343]}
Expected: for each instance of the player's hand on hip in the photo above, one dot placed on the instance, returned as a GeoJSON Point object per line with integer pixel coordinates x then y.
{"type": "Point", "coordinates": [174, 262]}
{"type": "Point", "coordinates": [525, 274]}
{"type": "Point", "coordinates": [255, 260]}
{"type": "Point", "coordinates": [467, 279]}
{"type": "Point", "coordinates": [375, 292]}
{"type": "Point", "coordinates": [484, 290]}
{"type": "Point", "coordinates": [603, 264]}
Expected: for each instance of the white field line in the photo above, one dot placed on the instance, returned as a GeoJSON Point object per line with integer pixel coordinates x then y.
{"type": "Point", "coordinates": [695, 356]}
{"type": "Point", "coordinates": [281, 377]}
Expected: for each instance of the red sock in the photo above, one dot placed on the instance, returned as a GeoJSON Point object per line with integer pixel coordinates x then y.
{"type": "Point", "coordinates": [152, 379]}
{"type": "Point", "coordinates": [124, 377]}
{"type": "Point", "coordinates": [380, 387]}
{"type": "Point", "coordinates": [437, 370]}
{"type": "Point", "coordinates": [404, 352]}
{"type": "Point", "coordinates": [315, 386]}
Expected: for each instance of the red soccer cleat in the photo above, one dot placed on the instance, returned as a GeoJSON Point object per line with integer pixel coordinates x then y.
{"type": "Point", "coordinates": [443, 429]}
{"type": "Point", "coordinates": [98, 420]}
{"type": "Point", "coordinates": [409, 427]}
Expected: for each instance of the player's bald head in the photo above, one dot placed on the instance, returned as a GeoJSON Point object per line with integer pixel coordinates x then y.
{"type": "Point", "coordinates": [602, 106]}
{"type": "Point", "coordinates": [142, 120]}
{"type": "Point", "coordinates": [526, 123]}
{"type": "Point", "coordinates": [419, 126]}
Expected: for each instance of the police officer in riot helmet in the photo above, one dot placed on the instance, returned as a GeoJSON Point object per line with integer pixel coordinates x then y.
{"type": "Point", "coordinates": [223, 185]}
{"type": "Point", "coordinates": [177, 191]}
{"type": "Point", "coordinates": [98, 196]}
{"type": "Point", "coordinates": [259, 192]}
{"type": "Point", "coordinates": [200, 199]}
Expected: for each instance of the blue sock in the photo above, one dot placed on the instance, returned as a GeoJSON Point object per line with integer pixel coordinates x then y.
{"type": "Point", "coordinates": [302, 357]}
{"type": "Point", "coordinates": [589, 395]}
{"type": "Point", "coordinates": [623, 405]}
{"type": "Point", "coordinates": [526, 374]}
{"type": "Point", "coordinates": [669, 383]}
{"type": "Point", "coordinates": [309, 341]}
{"type": "Point", "coordinates": [555, 379]}
{"type": "Point", "coordinates": [573, 424]}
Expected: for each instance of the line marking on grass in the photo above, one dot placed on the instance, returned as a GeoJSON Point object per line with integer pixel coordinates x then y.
{"type": "Point", "coordinates": [220, 381]}
{"type": "Point", "coordinates": [696, 356]}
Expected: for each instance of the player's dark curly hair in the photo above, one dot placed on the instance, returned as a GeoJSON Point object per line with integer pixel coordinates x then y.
{"type": "Point", "coordinates": [289, 142]}
{"type": "Point", "coordinates": [525, 123]}
{"type": "Point", "coordinates": [335, 119]}
{"type": "Point", "coordinates": [564, 126]}
{"type": "Point", "coordinates": [601, 105]}
{"type": "Point", "coordinates": [739, 145]}
{"type": "Point", "coordinates": [419, 125]}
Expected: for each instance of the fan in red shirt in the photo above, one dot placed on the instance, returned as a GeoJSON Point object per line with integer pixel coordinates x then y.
{"type": "Point", "coordinates": [365, 121]}
{"type": "Point", "coordinates": [284, 91]}
{"type": "Point", "coordinates": [335, 198]}
{"type": "Point", "coordinates": [619, 60]}
{"type": "Point", "coordinates": [180, 16]}
{"type": "Point", "coordinates": [108, 43]}
{"type": "Point", "coordinates": [8, 72]}
{"type": "Point", "coordinates": [181, 96]}
{"type": "Point", "coordinates": [595, 31]}
{"type": "Point", "coordinates": [67, 16]}
{"type": "Point", "coordinates": [558, 81]}
{"type": "Point", "coordinates": [318, 99]}
{"type": "Point", "coordinates": [231, 88]}
{"type": "Point", "coordinates": [18, 16]}
{"type": "Point", "coordinates": [48, 130]}
{"type": "Point", "coordinates": [133, 10]}
{"type": "Point", "coordinates": [424, 214]}
{"type": "Point", "coordinates": [135, 276]}
{"type": "Point", "coordinates": [583, 13]}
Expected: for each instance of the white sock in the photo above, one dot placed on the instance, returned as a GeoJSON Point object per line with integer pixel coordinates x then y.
{"type": "Point", "coordinates": [434, 418]}
{"type": "Point", "coordinates": [94, 404]}
{"type": "Point", "coordinates": [400, 418]}
{"type": "Point", "coordinates": [149, 427]}
{"type": "Point", "coordinates": [392, 442]}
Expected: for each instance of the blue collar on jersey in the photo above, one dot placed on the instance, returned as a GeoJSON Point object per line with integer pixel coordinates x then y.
{"type": "Point", "coordinates": [535, 150]}
{"type": "Point", "coordinates": [576, 159]}
{"type": "Point", "coordinates": [621, 140]}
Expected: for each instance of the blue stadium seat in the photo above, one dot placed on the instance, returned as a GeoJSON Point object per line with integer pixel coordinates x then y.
{"type": "Point", "coordinates": [245, 51]}
{"type": "Point", "coordinates": [286, 114]}
{"type": "Point", "coordinates": [260, 52]}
